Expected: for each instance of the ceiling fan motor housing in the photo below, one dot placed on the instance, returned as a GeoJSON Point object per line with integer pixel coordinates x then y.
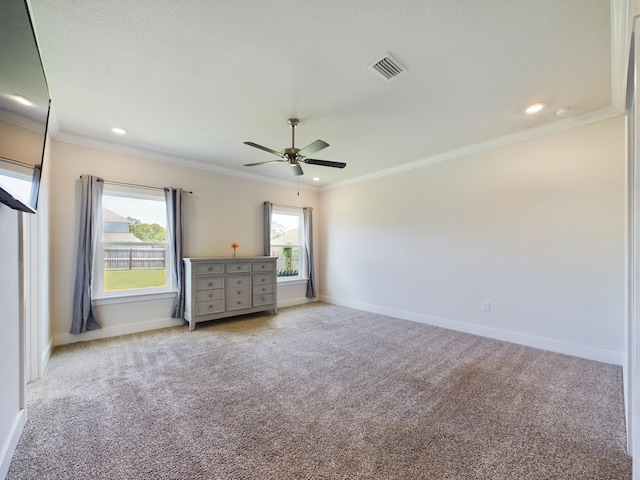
{"type": "Point", "coordinates": [291, 154]}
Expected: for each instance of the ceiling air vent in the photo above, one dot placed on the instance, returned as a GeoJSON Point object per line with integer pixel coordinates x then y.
{"type": "Point", "coordinates": [387, 67]}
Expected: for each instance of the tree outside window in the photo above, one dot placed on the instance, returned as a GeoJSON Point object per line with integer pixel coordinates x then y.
{"type": "Point", "coordinates": [287, 242]}
{"type": "Point", "coordinates": [135, 254]}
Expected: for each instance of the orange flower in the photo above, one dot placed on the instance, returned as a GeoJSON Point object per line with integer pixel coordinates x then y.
{"type": "Point", "coordinates": [234, 245]}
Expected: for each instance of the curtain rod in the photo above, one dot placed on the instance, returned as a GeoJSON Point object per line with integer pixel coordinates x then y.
{"type": "Point", "coordinates": [285, 206]}
{"type": "Point", "coordinates": [123, 184]}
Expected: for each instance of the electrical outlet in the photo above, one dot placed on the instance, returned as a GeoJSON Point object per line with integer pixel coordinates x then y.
{"type": "Point", "coordinates": [486, 305]}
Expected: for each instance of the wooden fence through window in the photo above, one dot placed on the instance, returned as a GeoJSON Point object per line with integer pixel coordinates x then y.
{"type": "Point", "coordinates": [134, 258]}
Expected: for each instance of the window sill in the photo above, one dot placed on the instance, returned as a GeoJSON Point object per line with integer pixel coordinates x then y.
{"type": "Point", "coordinates": [292, 281]}
{"type": "Point", "coordinates": [130, 298]}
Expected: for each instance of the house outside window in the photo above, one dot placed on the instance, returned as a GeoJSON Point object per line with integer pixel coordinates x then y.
{"type": "Point", "coordinates": [134, 254]}
{"type": "Point", "coordinates": [287, 242]}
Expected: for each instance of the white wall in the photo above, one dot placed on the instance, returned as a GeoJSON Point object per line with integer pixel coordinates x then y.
{"type": "Point", "coordinates": [36, 274]}
{"type": "Point", "coordinates": [16, 298]}
{"type": "Point", "coordinates": [12, 414]}
{"type": "Point", "coordinates": [223, 209]}
{"type": "Point", "coordinates": [44, 339]}
{"type": "Point", "coordinates": [536, 228]}
{"type": "Point", "coordinates": [36, 250]}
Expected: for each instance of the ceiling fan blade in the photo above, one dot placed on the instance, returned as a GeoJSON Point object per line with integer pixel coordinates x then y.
{"type": "Point", "coordinates": [313, 148]}
{"type": "Point", "coordinates": [297, 170]}
{"type": "Point", "coordinates": [324, 163]}
{"type": "Point", "coordinates": [262, 163]}
{"type": "Point", "coordinates": [251, 144]}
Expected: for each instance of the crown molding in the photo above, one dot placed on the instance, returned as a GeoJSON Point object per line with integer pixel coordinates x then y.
{"type": "Point", "coordinates": [72, 139]}
{"type": "Point", "coordinates": [546, 129]}
{"type": "Point", "coordinates": [539, 131]}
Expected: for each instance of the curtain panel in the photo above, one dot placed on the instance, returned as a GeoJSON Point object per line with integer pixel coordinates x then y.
{"type": "Point", "coordinates": [84, 317]}
{"type": "Point", "coordinates": [308, 247]}
{"type": "Point", "coordinates": [175, 231]}
{"type": "Point", "coordinates": [268, 207]}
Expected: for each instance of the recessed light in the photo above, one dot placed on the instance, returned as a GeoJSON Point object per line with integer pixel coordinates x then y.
{"type": "Point", "coordinates": [535, 108]}
{"type": "Point", "coordinates": [316, 179]}
{"type": "Point", "coordinates": [119, 130]}
{"type": "Point", "coordinates": [22, 100]}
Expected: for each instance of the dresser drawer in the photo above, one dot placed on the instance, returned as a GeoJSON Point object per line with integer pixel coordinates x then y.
{"type": "Point", "coordinates": [236, 267]}
{"type": "Point", "coordinates": [238, 303]}
{"type": "Point", "coordinates": [239, 281]}
{"type": "Point", "coordinates": [209, 295]}
{"type": "Point", "coordinates": [213, 306]}
{"type": "Point", "coordinates": [263, 279]}
{"type": "Point", "coordinates": [204, 268]}
{"type": "Point", "coordinates": [236, 292]}
{"type": "Point", "coordinates": [265, 299]}
{"type": "Point", "coordinates": [264, 266]}
{"type": "Point", "coordinates": [266, 288]}
{"type": "Point", "coordinates": [209, 283]}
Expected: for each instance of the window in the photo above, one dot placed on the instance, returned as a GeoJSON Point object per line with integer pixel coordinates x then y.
{"type": "Point", "coordinates": [16, 179]}
{"type": "Point", "coordinates": [134, 254]}
{"type": "Point", "coordinates": [287, 242]}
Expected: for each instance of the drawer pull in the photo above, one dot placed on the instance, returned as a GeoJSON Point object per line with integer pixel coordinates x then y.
{"type": "Point", "coordinates": [239, 267]}
{"type": "Point", "coordinates": [210, 268]}
{"type": "Point", "coordinates": [263, 267]}
{"type": "Point", "coordinates": [264, 289]}
{"type": "Point", "coordinates": [239, 302]}
{"type": "Point", "coordinates": [264, 279]}
{"type": "Point", "coordinates": [210, 306]}
{"type": "Point", "coordinates": [211, 284]}
{"type": "Point", "coordinates": [210, 295]}
{"type": "Point", "coordinates": [239, 292]}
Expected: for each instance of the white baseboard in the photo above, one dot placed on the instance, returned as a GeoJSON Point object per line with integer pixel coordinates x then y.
{"type": "Point", "coordinates": [44, 359]}
{"type": "Point", "coordinates": [10, 443]}
{"type": "Point", "coordinates": [115, 331]}
{"type": "Point", "coordinates": [590, 353]}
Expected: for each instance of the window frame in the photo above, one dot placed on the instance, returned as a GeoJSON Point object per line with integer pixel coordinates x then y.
{"type": "Point", "coordinates": [17, 179]}
{"type": "Point", "coordinates": [99, 293]}
{"type": "Point", "coordinates": [303, 274]}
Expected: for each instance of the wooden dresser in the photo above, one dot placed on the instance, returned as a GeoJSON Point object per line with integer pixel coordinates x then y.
{"type": "Point", "coordinates": [225, 287]}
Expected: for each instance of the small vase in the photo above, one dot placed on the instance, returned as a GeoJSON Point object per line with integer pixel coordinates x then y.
{"type": "Point", "coordinates": [234, 253]}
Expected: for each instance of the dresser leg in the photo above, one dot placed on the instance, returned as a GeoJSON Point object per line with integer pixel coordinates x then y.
{"type": "Point", "coordinates": [275, 311]}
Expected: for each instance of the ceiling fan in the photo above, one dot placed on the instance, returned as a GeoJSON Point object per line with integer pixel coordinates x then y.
{"type": "Point", "coordinates": [295, 156]}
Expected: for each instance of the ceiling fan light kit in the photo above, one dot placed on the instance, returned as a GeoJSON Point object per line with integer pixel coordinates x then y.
{"type": "Point", "coordinates": [295, 156]}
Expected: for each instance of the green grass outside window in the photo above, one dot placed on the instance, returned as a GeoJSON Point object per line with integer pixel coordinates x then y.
{"type": "Point", "coordinates": [130, 279]}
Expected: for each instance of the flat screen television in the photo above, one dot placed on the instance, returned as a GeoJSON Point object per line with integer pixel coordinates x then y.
{"type": "Point", "coordinates": [25, 105]}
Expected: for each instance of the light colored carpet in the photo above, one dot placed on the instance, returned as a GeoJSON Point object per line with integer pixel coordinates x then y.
{"type": "Point", "coordinates": [321, 392]}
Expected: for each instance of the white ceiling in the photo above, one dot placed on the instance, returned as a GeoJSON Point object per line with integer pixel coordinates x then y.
{"type": "Point", "coordinates": [195, 79]}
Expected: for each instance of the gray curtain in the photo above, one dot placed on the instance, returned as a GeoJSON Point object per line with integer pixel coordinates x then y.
{"type": "Point", "coordinates": [308, 246]}
{"type": "Point", "coordinates": [84, 316]}
{"type": "Point", "coordinates": [267, 228]}
{"type": "Point", "coordinates": [173, 197]}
